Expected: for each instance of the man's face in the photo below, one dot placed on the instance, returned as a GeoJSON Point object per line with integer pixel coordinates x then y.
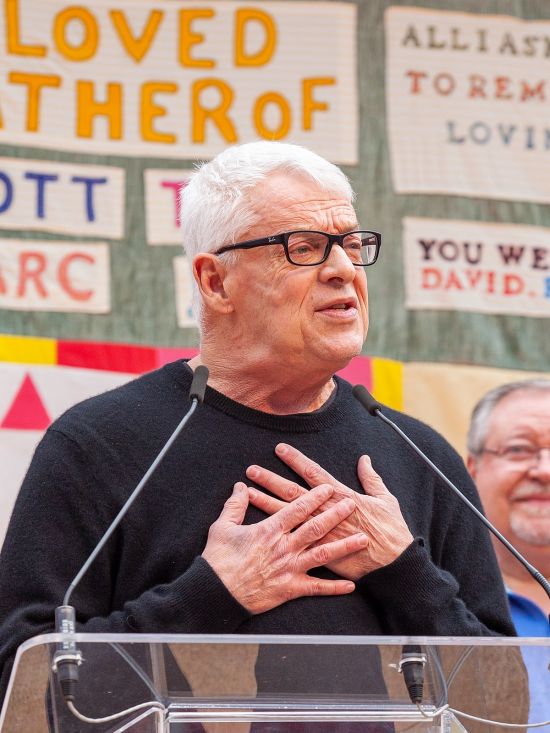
{"type": "Point", "coordinates": [308, 317]}
{"type": "Point", "coordinates": [516, 495]}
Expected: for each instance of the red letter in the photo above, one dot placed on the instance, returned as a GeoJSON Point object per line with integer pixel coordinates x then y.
{"type": "Point", "coordinates": [477, 86]}
{"type": "Point", "coordinates": [63, 276]}
{"type": "Point", "coordinates": [177, 187]}
{"type": "Point", "coordinates": [431, 278]}
{"type": "Point", "coordinates": [416, 76]}
{"type": "Point", "coordinates": [28, 271]}
{"type": "Point", "coordinates": [453, 282]}
{"type": "Point", "coordinates": [501, 87]}
{"type": "Point", "coordinates": [513, 285]}
{"type": "Point", "coordinates": [444, 84]}
{"type": "Point", "coordinates": [473, 277]}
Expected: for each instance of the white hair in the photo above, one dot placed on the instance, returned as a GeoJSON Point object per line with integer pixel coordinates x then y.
{"type": "Point", "coordinates": [477, 433]}
{"type": "Point", "coordinates": [216, 206]}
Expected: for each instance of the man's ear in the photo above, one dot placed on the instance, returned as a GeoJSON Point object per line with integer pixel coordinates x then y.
{"type": "Point", "coordinates": [471, 465]}
{"type": "Point", "coordinates": [210, 273]}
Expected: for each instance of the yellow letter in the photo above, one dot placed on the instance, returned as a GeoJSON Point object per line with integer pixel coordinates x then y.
{"type": "Point", "coordinates": [285, 113]}
{"type": "Point", "coordinates": [136, 47]}
{"type": "Point", "coordinates": [87, 48]}
{"type": "Point", "coordinates": [14, 43]}
{"type": "Point", "coordinates": [263, 55]}
{"type": "Point", "coordinates": [34, 83]}
{"type": "Point", "coordinates": [310, 104]}
{"type": "Point", "coordinates": [217, 114]}
{"type": "Point", "coordinates": [150, 110]}
{"type": "Point", "coordinates": [88, 108]}
{"type": "Point", "coordinates": [188, 38]}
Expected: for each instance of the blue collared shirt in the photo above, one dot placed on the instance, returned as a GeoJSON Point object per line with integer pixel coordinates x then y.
{"type": "Point", "coordinates": [530, 620]}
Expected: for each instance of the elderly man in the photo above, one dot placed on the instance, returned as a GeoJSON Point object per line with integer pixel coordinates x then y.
{"type": "Point", "coordinates": [279, 261]}
{"type": "Point", "coordinates": [509, 458]}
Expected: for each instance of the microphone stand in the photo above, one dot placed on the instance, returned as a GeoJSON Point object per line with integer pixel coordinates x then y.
{"type": "Point", "coordinates": [411, 663]}
{"type": "Point", "coordinates": [68, 658]}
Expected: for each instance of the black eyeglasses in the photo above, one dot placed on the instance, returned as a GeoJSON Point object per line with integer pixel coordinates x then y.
{"type": "Point", "coordinates": [518, 453]}
{"type": "Point", "coordinates": [305, 248]}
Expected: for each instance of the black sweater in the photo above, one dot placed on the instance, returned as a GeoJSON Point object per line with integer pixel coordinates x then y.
{"type": "Point", "coordinates": [151, 578]}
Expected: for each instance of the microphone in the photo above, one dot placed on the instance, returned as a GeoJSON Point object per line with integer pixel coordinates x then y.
{"type": "Point", "coordinates": [198, 384]}
{"type": "Point", "coordinates": [67, 657]}
{"type": "Point", "coordinates": [374, 408]}
{"type": "Point", "coordinates": [411, 665]}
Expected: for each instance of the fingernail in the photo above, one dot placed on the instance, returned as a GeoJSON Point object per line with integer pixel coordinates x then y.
{"type": "Point", "coordinates": [348, 504]}
{"type": "Point", "coordinates": [239, 486]}
{"type": "Point", "coordinates": [252, 471]}
{"type": "Point", "coordinates": [281, 448]}
{"type": "Point", "coordinates": [366, 459]}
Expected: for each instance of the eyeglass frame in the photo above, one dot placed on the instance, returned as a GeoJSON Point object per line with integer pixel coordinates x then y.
{"type": "Point", "coordinates": [501, 453]}
{"type": "Point", "coordinates": [284, 237]}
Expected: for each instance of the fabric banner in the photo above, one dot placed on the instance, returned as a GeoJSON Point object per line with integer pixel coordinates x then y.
{"type": "Point", "coordinates": [473, 266]}
{"type": "Point", "coordinates": [437, 117]}
{"type": "Point", "coordinates": [170, 79]}
{"type": "Point", "coordinates": [468, 97]}
{"type": "Point", "coordinates": [54, 276]}
{"type": "Point", "coordinates": [62, 198]}
{"type": "Point", "coordinates": [162, 189]}
{"type": "Point", "coordinates": [41, 378]}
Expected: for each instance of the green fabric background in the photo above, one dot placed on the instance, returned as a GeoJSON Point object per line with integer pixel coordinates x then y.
{"type": "Point", "coordinates": [142, 288]}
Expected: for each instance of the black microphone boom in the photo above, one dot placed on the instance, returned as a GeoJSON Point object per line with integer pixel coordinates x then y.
{"type": "Point", "coordinates": [412, 664]}
{"type": "Point", "coordinates": [362, 394]}
{"type": "Point", "coordinates": [67, 657]}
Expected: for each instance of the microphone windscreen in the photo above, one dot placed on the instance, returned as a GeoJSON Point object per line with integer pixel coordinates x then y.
{"type": "Point", "coordinates": [362, 394]}
{"type": "Point", "coordinates": [198, 385]}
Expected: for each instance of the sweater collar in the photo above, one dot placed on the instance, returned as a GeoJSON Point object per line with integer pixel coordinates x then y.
{"type": "Point", "coordinates": [327, 416]}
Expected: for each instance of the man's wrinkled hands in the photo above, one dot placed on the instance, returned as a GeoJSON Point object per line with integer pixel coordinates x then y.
{"type": "Point", "coordinates": [266, 564]}
{"type": "Point", "coordinates": [376, 514]}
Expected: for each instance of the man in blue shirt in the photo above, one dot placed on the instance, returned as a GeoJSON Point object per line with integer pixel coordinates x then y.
{"type": "Point", "coordinates": [509, 459]}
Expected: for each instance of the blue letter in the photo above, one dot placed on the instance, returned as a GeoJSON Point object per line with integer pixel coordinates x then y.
{"type": "Point", "coordinates": [89, 183]}
{"type": "Point", "coordinates": [41, 179]}
{"type": "Point", "coordinates": [5, 205]}
{"type": "Point", "coordinates": [547, 284]}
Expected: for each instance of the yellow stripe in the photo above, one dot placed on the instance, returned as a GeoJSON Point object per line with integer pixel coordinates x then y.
{"type": "Point", "coordinates": [28, 350]}
{"type": "Point", "coordinates": [387, 382]}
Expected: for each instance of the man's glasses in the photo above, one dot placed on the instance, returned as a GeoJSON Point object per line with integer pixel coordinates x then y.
{"type": "Point", "coordinates": [305, 248]}
{"type": "Point", "coordinates": [525, 454]}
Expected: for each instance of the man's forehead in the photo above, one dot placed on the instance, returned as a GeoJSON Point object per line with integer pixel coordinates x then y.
{"type": "Point", "coordinates": [287, 201]}
{"type": "Point", "coordinates": [291, 188]}
{"type": "Point", "coordinates": [523, 410]}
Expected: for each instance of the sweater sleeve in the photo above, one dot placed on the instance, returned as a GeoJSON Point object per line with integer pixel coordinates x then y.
{"type": "Point", "coordinates": [429, 600]}
{"type": "Point", "coordinates": [60, 515]}
{"type": "Point", "coordinates": [447, 583]}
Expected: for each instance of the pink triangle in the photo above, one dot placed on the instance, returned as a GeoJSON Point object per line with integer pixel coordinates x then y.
{"type": "Point", "coordinates": [27, 411]}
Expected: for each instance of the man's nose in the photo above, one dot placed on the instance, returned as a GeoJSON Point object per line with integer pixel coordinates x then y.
{"type": "Point", "coordinates": [541, 468]}
{"type": "Point", "coordinates": [338, 265]}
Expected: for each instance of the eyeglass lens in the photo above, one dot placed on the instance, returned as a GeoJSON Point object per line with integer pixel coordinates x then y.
{"type": "Point", "coordinates": [309, 248]}
{"type": "Point", "coordinates": [523, 453]}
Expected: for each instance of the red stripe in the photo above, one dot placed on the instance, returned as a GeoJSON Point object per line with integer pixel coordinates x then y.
{"type": "Point", "coordinates": [111, 357]}
{"type": "Point", "coordinates": [172, 353]}
{"type": "Point", "coordinates": [358, 371]}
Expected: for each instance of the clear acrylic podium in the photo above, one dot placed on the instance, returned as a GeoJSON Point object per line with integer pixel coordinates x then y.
{"type": "Point", "coordinates": [271, 684]}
